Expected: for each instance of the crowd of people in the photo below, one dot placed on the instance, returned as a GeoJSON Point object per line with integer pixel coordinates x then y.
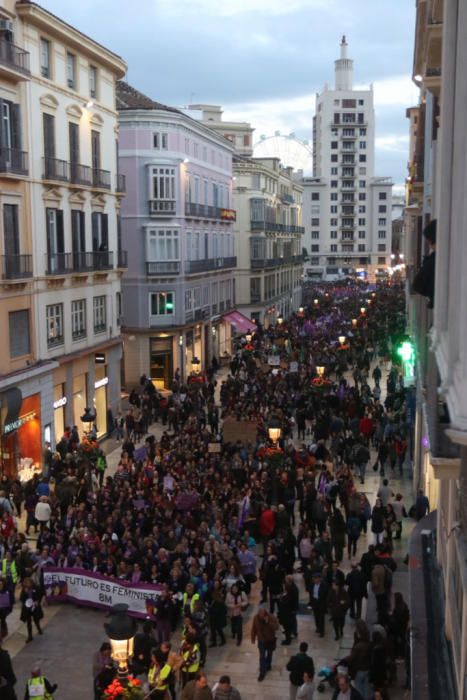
{"type": "Point", "coordinates": [207, 524]}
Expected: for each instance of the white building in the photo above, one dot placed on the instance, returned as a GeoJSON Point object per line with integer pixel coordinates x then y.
{"type": "Point", "coordinates": [346, 209]}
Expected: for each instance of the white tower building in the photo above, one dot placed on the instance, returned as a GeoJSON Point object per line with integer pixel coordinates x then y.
{"type": "Point", "coordinates": [346, 209]}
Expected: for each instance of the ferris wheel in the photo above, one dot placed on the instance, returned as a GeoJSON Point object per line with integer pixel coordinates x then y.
{"type": "Point", "coordinates": [292, 151]}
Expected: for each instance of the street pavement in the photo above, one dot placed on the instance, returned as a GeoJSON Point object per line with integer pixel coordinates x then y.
{"type": "Point", "coordinates": [73, 634]}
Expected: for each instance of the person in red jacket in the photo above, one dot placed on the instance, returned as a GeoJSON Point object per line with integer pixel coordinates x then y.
{"type": "Point", "coordinates": [366, 427]}
{"type": "Point", "coordinates": [267, 524]}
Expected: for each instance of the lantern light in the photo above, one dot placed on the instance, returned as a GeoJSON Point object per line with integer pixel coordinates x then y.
{"type": "Point", "coordinates": [280, 320]}
{"type": "Point", "coordinates": [248, 337]}
{"type": "Point", "coordinates": [320, 370]}
{"type": "Point", "coordinates": [195, 362]}
{"type": "Point", "coordinates": [121, 631]}
{"type": "Point", "coordinates": [342, 339]}
{"type": "Point", "coordinates": [301, 309]}
{"type": "Point", "coordinates": [362, 310]}
{"type": "Point", "coordinates": [274, 430]}
{"type": "Point", "coordinates": [316, 301]}
{"type": "Point", "coordinates": [354, 322]}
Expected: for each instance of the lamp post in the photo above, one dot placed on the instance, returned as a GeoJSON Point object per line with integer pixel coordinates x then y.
{"type": "Point", "coordinates": [274, 430]}
{"type": "Point", "coordinates": [362, 310]}
{"type": "Point", "coordinates": [320, 370]}
{"type": "Point", "coordinates": [316, 302]}
{"type": "Point", "coordinates": [195, 364]}
{"type": "Point", "coordinates": [342, 339]}
{"type": "Point", "coordinates": [280, 320]}
{"type": "Point", "coordinates": [121, 631]}
{"type": "Point", "coordinates": [354, 322]}
{"type": "Point", "coordinates": [182, 364]}
{"type": "Point", "coordinates": [248, 337]}
{"type": "Point", "coordinates": [301, 310]}
{"type": "Point", "coordinates": [87, 419]}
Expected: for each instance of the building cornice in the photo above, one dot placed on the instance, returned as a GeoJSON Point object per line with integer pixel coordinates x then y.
{"type": "Point", "coordinates": [31, 13]}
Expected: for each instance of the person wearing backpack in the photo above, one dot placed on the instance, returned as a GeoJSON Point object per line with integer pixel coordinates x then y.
{"type": "Point", "coordinates": [361, 456]}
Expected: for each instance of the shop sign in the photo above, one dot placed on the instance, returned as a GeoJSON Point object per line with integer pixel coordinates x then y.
{"type": "Point", "coordinates": [21, 420]}
{"type": "Point", "coordinates": [101, 382]}
{"type": "Point", "coordinates": [99, 358]}
{"type": "Point", "coordinates": [59, 403]}
{"type": "Point", "coordinates": [228, 214]}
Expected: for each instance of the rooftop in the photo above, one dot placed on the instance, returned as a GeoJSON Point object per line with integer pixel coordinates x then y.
{"type": "Point", "coordinates": [129, 97]}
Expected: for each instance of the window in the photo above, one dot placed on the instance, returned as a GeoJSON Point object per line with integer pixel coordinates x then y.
{"type": "Point", "coordinates": [333, 196]}
{"type": "Point", "coordinates": [334, 183]}
{"type": "Point", "coordinates": [315, 235]}
{"type": "Point", "coordinates": [348, 159]}
{"type": "Point", "coordinates": [381, 247]}
{"type": "Point", "coordinates": [381, 261]}
{"type": "Point", "coordinates": [347, 223]}
{"type": "Point", "coordinates": [55, 239]}
{"type": "Point", "coordinates": [314, 261]}
{"type": "Point", "coordinates": [54, 318]}
{"type": "Point", "coordinates": [333, 171]}
{"type": "Point", "coordinates": [333, 248]}
{"type": "Point", "coordinates": [362, 132]}
{"type": "Point", "coordinates": [361, 247]}
{"type": "Point", "coordinates": [362, 158]}
{"type": "Point", "coordinates": [11, 244]}
{"type": "Point", "coordinates": [93, 81]}
{"type": "Point", "coordinates": [118, 306]}
{"type": "Point", "coordinates": [348, 172]}
{"type": "Point", "coordinates": [163, 244]}
{"type": "Point", "coordinates": [362, 196]}
{"type": "Point", "coordinates": [18, 324]}
{"type": "Point", "coordinates": [333, 222]}
{"type": "Point", "coordinates": [99, 313]}
{"type": "Point", "coordinates": [315, 196]}
{"type": "Point", "coordinates": [163, 184]}
{"type": "Point", "coordinates": [162, 303]}
{"type": "Point", "coordinates": [347, 248]}
{"type": "Point", "coordinates": [334, 158]}
{"type": "Point", "coordinates": [361, 103]}
{"type": "Point", "coordinates": [381, 234]}
{"type": "Point", "coordinates": [78, 319]}
{"type": "Point", "coordinates": [160, 141]}
{"type": "Point", "coordinates": [315, 222]}
{"type": "Point", "coordinates": [382, 209]}
{"type": "Point", "coordinates": [315, 209]}
{"type": "Point", "coordinates": [100, 232]}
{"type": "Point", "coordinates": [361, 208]}
{"type": "Point", "coordinates": [381, 222]}
{"type": "Point", "coordinates": [333, 234]}
{"type": "Point", "coordinates": [361, 222]}
{"type": "Point", "coordinates": [45, 58]}
{"type": "Point", "coordinates": [349, 103]}
{"type": "Point", "coordinates": [333, 208]}
{"type": "Point", "coordinates": [361, 234]}
{"type": "Point", "coordinates": [337, 117]}
{"type": "Point", "coordinates": [382, 195]}
{"type": "Point", "coordinates": [362, 183]}
{"type": "Point", "coordinates": [362, 144]}
{"type": "Point", "coordinates": [348, 132]}
{"type": "Point", "coordinates": [255, 290]}
{"type": "Point", "coordinates": [48, 127]}
{"type": "Point", "coordinates": [334, 144]}
{"type": "Point", "coordinates": [70, 71]}
{"type": "Point", "coordinates": [315, 248]}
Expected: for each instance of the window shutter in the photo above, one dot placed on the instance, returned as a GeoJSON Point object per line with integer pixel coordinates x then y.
{"type": "Point", "coordinates": [82, 231]}
{"type": "Point", "coordinates": [15, 126]}
{"type": "Point", "coordinates": [105, 231]}
{"type": "Point", "coordinates": [60, 232]}
{"type": "Point", "coordinates": [95, 230]}
{"type": "Point", "coordinates": [2, 139]}
{"type": "Point", "coordinates": [49, 136]}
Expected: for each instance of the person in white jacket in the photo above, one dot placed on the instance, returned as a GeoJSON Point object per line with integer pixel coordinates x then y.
{"type": "Point", "coordinates": [43, 511]}
{"type": "Point", "coordinates": [236, 602]}
{"type": "Point", "coordinates": [307, 690]}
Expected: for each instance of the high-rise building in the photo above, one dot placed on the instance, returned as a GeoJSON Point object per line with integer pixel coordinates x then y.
{"type": "Point", "coordinates": [177, 222]}
{"type": "Point", "coordinates": [60, 257]}
{"type": "Point", "coordinates": [346, 209]}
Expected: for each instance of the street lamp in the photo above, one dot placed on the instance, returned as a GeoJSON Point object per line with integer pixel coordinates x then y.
{"type": "Point", "coordinates": [301, 310]}
{"type": "Point", "coordinates": [248, 337]}
{"type": "Point", "coordinates": [354, 322]}
{"type": "Point", "coordinates": [320, 370]}
{"type": "Point", "coordinates": [316, 302]}
{"type": "Point", "coordinates": [88, 418]}
{"type": "Point", "coordinates": [121, 631]}
{"type": "Point", "coordinates": [274, 430]}
{"type": "Point", "coordinates": [362, 310]}
{"type": "Point", "coordinates": [393, 256]}
{"type": "Point", "coordinates": [195, 363]}
{"type": "Point", "coordinates": [342, 339]}
{"type": "Point", "coordinates": [280, 320]}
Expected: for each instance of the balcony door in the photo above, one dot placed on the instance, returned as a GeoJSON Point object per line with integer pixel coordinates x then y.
{"type": "Point", "coordinates": [78, 239]}
{"type": "Point", "coordinates": [10, 133]}
{"type": "Point", "coordinates": [49, 144]}
{"type": "Point", "coordinates": [55, 240]}
{"type": "Point", "coordinates": [73, 135]}
{"type": "Point", "coordinates": [96, 150]}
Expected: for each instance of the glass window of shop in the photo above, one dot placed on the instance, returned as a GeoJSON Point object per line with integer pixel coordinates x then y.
{"type": "Point", "coordinates": [79, 399]}
{"type": "Point", "coordinates": [100, 399]}
{"type": "Point", "coordinates": [59, 411]}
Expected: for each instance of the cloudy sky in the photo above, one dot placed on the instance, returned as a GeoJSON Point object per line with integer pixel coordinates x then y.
{"type": "Point", "coordinates": [263, 60]}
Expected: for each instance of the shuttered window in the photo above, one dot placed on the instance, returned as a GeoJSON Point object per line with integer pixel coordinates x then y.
{"type": "Point", "coordinates": [20, 341]}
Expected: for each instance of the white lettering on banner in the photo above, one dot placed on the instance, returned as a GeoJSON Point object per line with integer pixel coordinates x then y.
{"type": "Point", "coordinates": [14, 425]}
{"type": "Point", "coordinates": [101, 382]}
{"type": "Point", "coordinates": [70, 585]}
{"type": "Point", "coordinates": [60, 402]}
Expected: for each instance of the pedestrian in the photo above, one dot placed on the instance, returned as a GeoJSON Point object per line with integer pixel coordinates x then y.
{"type": "Point", "coordinates": [360, 658]}
{"type": "Point", "coordinates": [102, 660]}
{"type": "Point", "coordinates": [422, 506]}
{"type": "Point", "coordinates": [338, 530]}
{"type": "Point", "coordinates": [31, 610]}
{"type": "Point", "coordinates": [399, 625]}
{"type": "Point", "coordinates": [307, 689]}
{"type": "Point", "coordinates": [197, 688]}
{"type": "Point", "coordinates": [298, 665]}
{"type": "Point", "coordinates": [379, 586]}
{"type": "Point", "coordinates": [38, 686]}
{"type": "Point", "coordinates": [338, 603]}
{"type": "Point", "coordinates": [400, 513]}
{"type": "Point", "coordinates": [344, 691]}
{"type": "Point", "coordinates": [318, 595]}
{"type": "Point", "coordinates": [237, 603]}
{"type": "Point", "coordinates": [7, 676]}
{"type": "Point", "coordinates": [158, 675]}
{"type": "Point", "coordinates": [224, 690]}
{"type": "Point", "coordinates": [356, 588]}
{"type": "Point", "coordinates": [264, 630]}
{"type": "Point", "coordinates": [42, 512]}
{"type": "Point", "coordinates": [385, 493]}
{"type": "Point", "coordinates": [377, 522]}
{"type": "Point", "coordinates": [354, 528]}
{"type": "Point", "coordinates": [378, 660]}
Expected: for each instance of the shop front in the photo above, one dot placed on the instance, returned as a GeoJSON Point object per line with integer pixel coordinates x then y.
{"type": "Point", "coordinates": [59, 405]}
{"type": "Point", "coordinates": [79, 398]}
{"type": "Point", "coordinates": [21, 440]}
{"type": "Point", "coordinates": [100, 399]}
{"type": "Point", "coordinates": [161, 365]}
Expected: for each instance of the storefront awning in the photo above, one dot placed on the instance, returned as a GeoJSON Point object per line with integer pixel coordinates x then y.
{"type": "Point", "coordinates": [242, 323]}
